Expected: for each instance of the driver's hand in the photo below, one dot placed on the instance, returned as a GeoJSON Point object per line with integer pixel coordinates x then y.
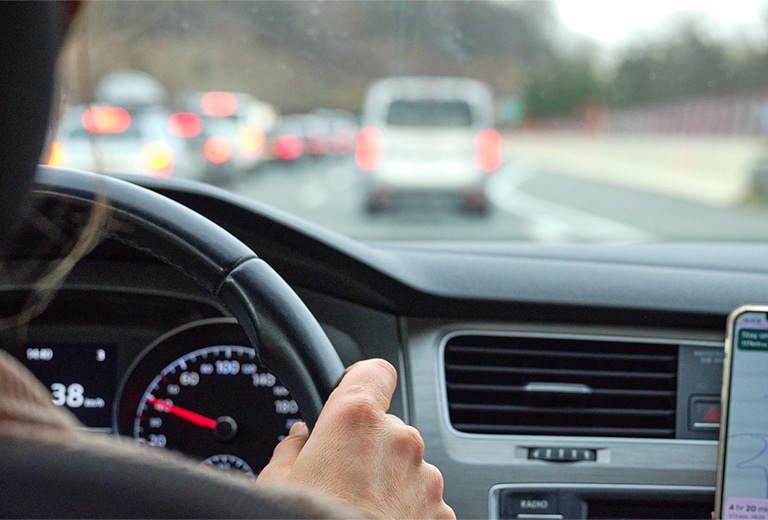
{"type": "Point", "coordinates": [361, 454]}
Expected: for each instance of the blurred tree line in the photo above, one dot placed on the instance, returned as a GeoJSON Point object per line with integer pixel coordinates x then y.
{"type": "Point", "coordinates": [689, 60]}
{"type": "Point", "coordinates": [306, 54]}
{"type": "Point", "coordinates": [687, 57]}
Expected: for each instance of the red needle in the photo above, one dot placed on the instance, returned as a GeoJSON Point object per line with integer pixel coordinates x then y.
{"type": "Point", "coordinates": [187, 415]}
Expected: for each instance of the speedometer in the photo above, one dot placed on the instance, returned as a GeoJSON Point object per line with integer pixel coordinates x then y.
{"type": "Point", "coordinates": [198, 392]}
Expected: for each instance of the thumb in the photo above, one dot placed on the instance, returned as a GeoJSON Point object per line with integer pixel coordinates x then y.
{"type": "Point", "coordinates": [285, 453]}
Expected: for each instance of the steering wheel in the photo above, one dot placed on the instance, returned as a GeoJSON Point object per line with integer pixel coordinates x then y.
{"type": "Point", "coordinates": [47, 481]}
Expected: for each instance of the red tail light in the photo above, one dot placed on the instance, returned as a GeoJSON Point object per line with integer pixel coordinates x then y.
{"type": "Point", "coordinates": [106, 120]}
{"type": "Point", "coordinates": [250, 139]}
{"type": "Point", "coordinates": [287, 147]}
{"type": "Point", "coordinates": [219, 104]}
{"type": "Point", "coordinates": [488, 150]}
{"type": "Point", "coordinates": [316, 143]}
{"type": "Point", "coordinates": [368, 151]}
{"type": "Point", "coordinates": [56, 157]}
{"type": "Point", "coordinates": [185, 124]}
{"type": "Point", "coordinates": [343, 141]}
{"type": "Point", "coordinates": [158, 159]}
{"type": "Point", "coordinates": [217, 149]}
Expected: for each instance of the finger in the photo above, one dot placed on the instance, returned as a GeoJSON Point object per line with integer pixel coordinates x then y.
{"type": "Point", "coordinates": [298, 428]}
{"type": "Point", "coordinates": [288, 449]}
{"type": "Point", "coordinates": [375, 377]}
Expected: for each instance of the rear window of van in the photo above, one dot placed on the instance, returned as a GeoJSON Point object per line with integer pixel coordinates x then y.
{"type": "Point", "coordinates": [429, 112]}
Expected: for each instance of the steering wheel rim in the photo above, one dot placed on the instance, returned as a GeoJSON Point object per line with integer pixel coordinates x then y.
{"type": "Point", "coordinates": [88, 478]}
{"type": "Point", "coordinates": [286, 336]}
{"type": "Point", "coordinates": [96, 479]}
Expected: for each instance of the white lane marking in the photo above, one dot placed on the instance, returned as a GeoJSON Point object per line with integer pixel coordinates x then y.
{"type": "Point", "coordinates": [551, 221]}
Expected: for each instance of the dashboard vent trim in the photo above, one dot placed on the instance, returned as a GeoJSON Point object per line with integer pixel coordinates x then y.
{"type": "Point", "coordinates": [560, 385]}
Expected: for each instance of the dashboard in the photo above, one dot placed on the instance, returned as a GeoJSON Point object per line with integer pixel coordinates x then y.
{"type": "Point", "coordinates": [548, 381]}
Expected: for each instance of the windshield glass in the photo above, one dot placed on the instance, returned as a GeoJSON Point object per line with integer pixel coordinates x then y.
{"type": "Point", "coordinates": [558, 121]}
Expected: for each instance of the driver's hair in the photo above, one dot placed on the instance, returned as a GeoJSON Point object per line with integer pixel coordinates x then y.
{"type": "Point", "coordinates": [50, 277]}
{"type": "Point", "coordinates": [45, 280]}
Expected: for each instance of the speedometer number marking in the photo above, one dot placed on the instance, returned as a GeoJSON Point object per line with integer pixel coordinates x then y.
{"type": "Point", "coordinates": [226, 368]}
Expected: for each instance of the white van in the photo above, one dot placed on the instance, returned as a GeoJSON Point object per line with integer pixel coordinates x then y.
{"type": "Point", "coordinates": [427, 137]}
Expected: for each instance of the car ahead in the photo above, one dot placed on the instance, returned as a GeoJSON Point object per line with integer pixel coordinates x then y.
{"type": "Point", "coordinates": [130, 88]}
{"type": "Point", "coordinates": [287, 141]}
{"type": "Point", "coordinates": [426, 136]}
{"type": "Point", "coordinates": [342, 128]}
{"type": "Point", "coordinates": [113, 139]}
{"type": "Point", "coordinates": [318, 134]}
{"type": "Point", "coordinates": [227, 128]}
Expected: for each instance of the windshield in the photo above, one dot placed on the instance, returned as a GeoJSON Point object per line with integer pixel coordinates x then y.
{"type": "Point", "coordinates": [533, 121]}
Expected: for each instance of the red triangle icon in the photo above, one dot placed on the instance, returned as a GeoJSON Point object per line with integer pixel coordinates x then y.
{"type": "Point", "coordinates": [712, 415]}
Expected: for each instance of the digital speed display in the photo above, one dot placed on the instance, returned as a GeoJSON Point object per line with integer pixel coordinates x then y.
{"type": "Point", "coordinates": [81, 378]}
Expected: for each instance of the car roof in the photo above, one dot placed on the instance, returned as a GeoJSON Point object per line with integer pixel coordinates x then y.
{"type": "Point", "coordinates": [383, 92]}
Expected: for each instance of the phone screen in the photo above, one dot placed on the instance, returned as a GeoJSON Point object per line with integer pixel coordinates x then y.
{"type": "Point", "coordinates": [742, 490]}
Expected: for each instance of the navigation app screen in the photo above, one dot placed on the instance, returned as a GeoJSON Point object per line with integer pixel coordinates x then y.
{"type": "Point", "coordinates": [745, 481]}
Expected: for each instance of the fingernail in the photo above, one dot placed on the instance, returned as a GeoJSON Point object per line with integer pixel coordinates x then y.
{"type": "Point", "coordinates": [299, 428]}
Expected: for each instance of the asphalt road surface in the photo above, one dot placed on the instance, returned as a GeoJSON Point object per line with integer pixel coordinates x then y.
{"type": "Point", "coordinates": [527, 204]}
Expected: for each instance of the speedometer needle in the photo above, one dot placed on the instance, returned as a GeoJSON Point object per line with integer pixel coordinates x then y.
{"type": "Point", "coordinates": [187, 415]}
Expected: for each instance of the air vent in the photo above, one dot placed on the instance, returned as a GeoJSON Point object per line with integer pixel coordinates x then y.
{"type": "Point", "coordinates": [574, 386]}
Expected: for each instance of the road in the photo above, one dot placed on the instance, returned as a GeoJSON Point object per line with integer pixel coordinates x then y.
{"type": "Point", "coordinates": [709, 169]}
{"type": "Point", "coordinates": [529, 203]}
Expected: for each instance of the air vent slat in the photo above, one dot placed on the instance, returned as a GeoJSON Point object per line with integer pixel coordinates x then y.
{"type": "Point", "coordinates": [557, 430]}
{"type": "Point", "coordinates": [561, 412]}
{"type": "Point", "coordinates": [573, 354]}
{"type": "Point", "coordinates": [546, 371]}
{"type": "Point", "coordinates": [576, 386]}
{"type": "Point", "coordinates": [602, 391]}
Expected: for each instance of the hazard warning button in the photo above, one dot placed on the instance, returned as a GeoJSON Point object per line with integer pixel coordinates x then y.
{"type": "Point", "coordinates": [704, 413]}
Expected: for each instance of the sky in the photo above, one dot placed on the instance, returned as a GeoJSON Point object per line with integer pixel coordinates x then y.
{"type": "Point", "coordinates": [611, 20]}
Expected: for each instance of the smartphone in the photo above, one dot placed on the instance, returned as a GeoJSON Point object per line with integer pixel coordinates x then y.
{"type": "Point", "coordinates": [742, 476]}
